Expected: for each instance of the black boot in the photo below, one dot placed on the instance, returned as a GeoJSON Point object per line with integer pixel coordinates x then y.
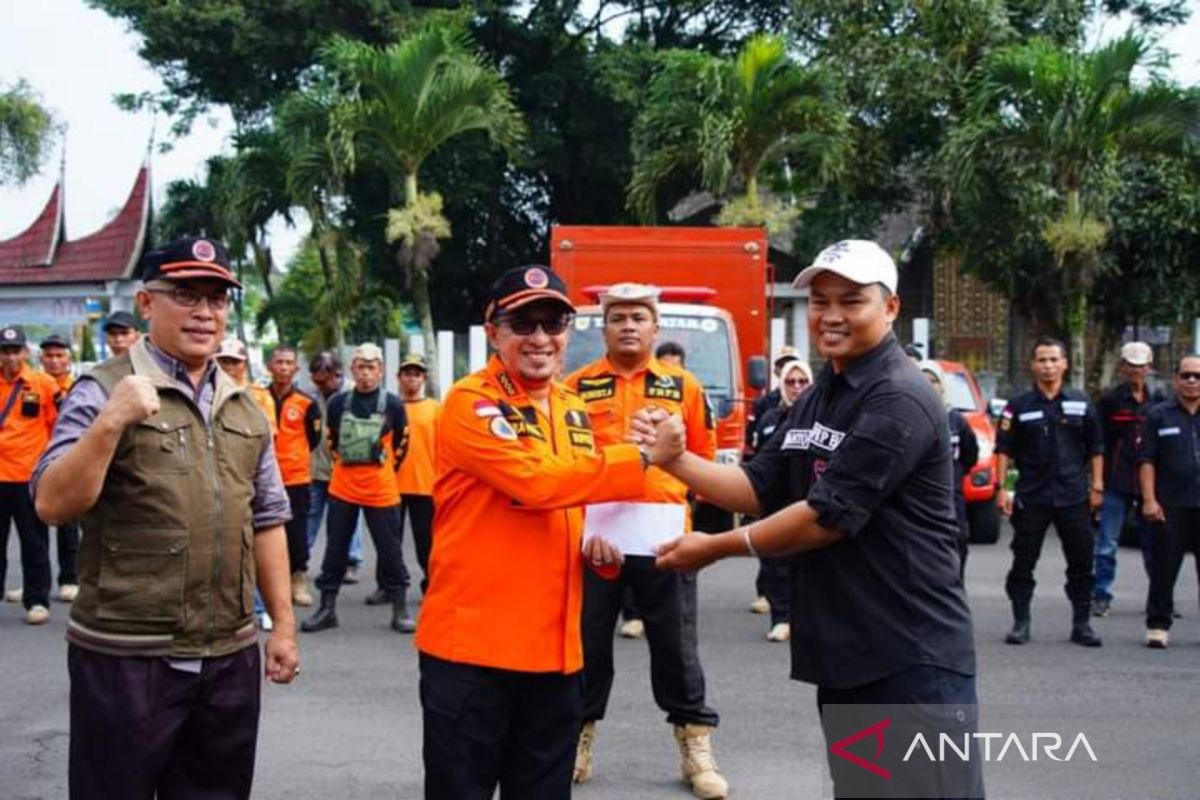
{"type": "Point", "coordinates": [1020, 629]}
{"type": "Point", "coordinates": [402, 621]}
{"type": "Point", "coordinates": [378, 598]}
{"type": "Point", "coordinates": [1081, 627]}
{"type": "Point", "coordinates": [326, 615]}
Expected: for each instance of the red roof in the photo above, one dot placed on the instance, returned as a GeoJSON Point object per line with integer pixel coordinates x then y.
{"type": "Point", "coordinates": [38, 256]}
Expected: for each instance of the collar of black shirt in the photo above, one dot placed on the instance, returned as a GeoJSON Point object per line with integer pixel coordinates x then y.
{"type": "Point", "coordinates": [867, 364]}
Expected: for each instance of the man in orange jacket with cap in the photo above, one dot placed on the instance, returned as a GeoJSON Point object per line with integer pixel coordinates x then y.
{"type": "Point", "coordinates": [499, 631]}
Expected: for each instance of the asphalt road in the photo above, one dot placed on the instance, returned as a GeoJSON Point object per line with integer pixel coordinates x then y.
{"type": "Point", "coordinates": [350, 727]}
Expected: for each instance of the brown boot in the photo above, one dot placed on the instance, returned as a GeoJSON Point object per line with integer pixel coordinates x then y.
{"type": "Point", "coordinates": [696, 762]}
{"type": "Point", "coordinates": [301, 596]}
{"type": "Point", "coordinates": [583, 753]}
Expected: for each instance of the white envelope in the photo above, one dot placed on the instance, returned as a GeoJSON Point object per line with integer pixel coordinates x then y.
{"type": "Point", "coordinates": [635, 529]}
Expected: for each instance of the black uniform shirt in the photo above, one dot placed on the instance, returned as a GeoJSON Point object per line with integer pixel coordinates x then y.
{"type": "Point", "coordinates": [1050, 440]}
{"type": "Point", "coordinates": [870, 451]}
{"type": "Point", "coordinates": [1121, 417]}
{"type": "Point", "coordinates": [1171, 442]}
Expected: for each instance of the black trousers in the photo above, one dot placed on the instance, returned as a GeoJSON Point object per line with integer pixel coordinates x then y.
{"type": "Point", "coordinates": [667, 601]}
{"type": "Point", "coordinates": [921, 699]}
{"type": "Point", "coordinates": [297, 527]}
{"type": "Point", "coordinates": [1074, 526]}
{"type": "Point", "coordinates": [386, 532]}
{"type": "Point", "coordinates": [17, 506]}
{"type": "Point", "coordinates": [774, 583]}
{"type": "Point", "coordinates": [629, 609]}
{"type": "Point", "coordinates": [1172, 540]}
{"type": "Point", "coordinates": [68, 553]}
{"type": "Point", "coordinates": [419, 508]}
{"type": "Point", "coordinates": [141, 729]}
{"type": "Point", "coordinates": [489, 727]}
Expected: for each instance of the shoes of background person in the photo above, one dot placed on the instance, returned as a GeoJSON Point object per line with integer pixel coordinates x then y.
{"type": "Point", "coordinates": [696, 763]}
{"type": "Point", "coordinates": [14, 595]}
{"type": "Point", "coordinates": [583, 753]}
{"type": "Point", "coordinates": [301, 596]}
{"type": "Point", "coordinates": [1101, 607]}
{"type": "Point", "coordinates": [37, 615]}
{"type": "Point", "coordinates": [632, 629]}
{"type": "Point", "coordinates": [1157, 639]}
{"type": "Point", "coordinates": [780, 632]}
{"type": "Point", "coordinates": [265, 622]}
{"type": "Point", "coordinates": [351, 574]}
{"type": "Point", "coordinates": [68, 592]}
{"type": "Point", "coordinates": [1085, 636]}
{"type": "Point", "coordinates": [379, 597]}
{"type": "Point", "coordinates": [760, 606]}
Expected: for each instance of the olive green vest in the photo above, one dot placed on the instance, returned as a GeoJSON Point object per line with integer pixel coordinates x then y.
{"type": "Point", "coordinates": [166, 560]}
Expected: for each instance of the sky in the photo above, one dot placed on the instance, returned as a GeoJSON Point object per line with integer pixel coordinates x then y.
{"type": "Point", "coordinates": [78, 58]}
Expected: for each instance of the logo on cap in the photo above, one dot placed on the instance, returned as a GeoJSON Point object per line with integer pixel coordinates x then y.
{"type": "Point", "coordinates": [203, 250]}
{"type": "Point", "coordinates": [536, 278]}
{"type": "Point", "coordinates": [9, 333]}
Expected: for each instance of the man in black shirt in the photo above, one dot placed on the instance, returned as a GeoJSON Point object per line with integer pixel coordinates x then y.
{"type": "Point", "coordinates": [1051, 433]}
{"type": "Point", "coordinates": [1169, 471]}
{"type": "Point", "coordinates": [1122, 410]}
{"type": "Point", "coordinates": [856, 482]}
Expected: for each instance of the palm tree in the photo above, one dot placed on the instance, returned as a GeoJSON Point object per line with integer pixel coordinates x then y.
{"type": "Point", "coordinates": [1076, 115]}
{"type": "Point", "coordinates": [401, 103]}
{"type": "Point", "coordinates": [726, 122]}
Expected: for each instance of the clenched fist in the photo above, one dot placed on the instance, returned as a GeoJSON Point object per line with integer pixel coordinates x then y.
{"type": "Point", "coordinates": [133, 399]}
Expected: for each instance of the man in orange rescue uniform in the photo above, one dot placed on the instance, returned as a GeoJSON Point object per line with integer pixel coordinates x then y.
{"type": "Point", "coordinates": [414, 479]}
{"type": "Point", "coordinates": [295, 439]}
{"type": "Point", "coordinates": [628, 377]}
{"type": "Point", "coordinates": [27, 416]}
{"type": "Point", "coordinates": [499, 630]}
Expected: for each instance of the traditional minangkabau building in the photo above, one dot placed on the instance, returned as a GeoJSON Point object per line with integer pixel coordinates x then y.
{"type": "Point", "coordinates": [48, 280]}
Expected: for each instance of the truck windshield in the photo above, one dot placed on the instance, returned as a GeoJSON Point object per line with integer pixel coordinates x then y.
{"type": "Point", "coordinates": [958, 392]}
{"type": "Point", "coordinates": [705, 340]}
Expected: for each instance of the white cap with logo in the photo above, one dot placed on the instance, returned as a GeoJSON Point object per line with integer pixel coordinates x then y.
{"type": "Point", "coordinates": [367, 351]}
{"type": "Point", "coordinates": [1137, 354]}
{"type": "Point", "coordinates": [630, 294]}
{"type": "Point", "coordinates": [233, 349]}
{"type": "Point", "coordinates": [857, 260]}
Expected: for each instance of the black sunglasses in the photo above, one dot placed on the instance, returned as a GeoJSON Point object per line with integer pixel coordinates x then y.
{"type": "Point", "coordinates": [1189, 376]}
{"type": "Point", "coordinates": [525, 326]}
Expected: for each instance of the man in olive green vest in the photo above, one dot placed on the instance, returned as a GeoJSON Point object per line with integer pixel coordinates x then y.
{"type": "Point", "coordinates": [171, 469]}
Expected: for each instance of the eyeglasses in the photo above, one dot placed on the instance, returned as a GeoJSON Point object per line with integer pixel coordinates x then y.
{"type": "Point", "coordinates": [524, 326]}
{"type": "Point", "coordinates": [190, 298]}
{"type": "Point", "coordinates": [795, 382]}
{"type": "Point", "coordinates": [1189, 376]}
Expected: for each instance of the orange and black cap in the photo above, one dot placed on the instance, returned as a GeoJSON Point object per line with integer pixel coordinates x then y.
{"type": "Point", "coordinates": [520, 286]}
{"type": "Point", "coordinates": [188, 258]}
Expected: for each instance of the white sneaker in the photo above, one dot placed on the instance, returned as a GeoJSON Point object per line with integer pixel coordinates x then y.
{"type": "Point", "coordinates": [37, 615]}
{"type": "Point", "coordinates": [760, 606]}
{"type": "Point", "coordinates": [1157, 638]}
{"type": "Point", "coordinates": [68, 592]}
{"type": "Point", "coordinates": [780, 632]}
{"type": "Point", "coordinates": [14, 595]}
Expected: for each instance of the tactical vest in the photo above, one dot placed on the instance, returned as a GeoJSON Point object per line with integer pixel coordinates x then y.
{"type": "Point", "coordinates": [359, 437]}
{"type": "Point", "coordinates": [166, 562]}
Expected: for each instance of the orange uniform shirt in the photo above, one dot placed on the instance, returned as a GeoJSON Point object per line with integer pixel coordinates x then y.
{"type": "Point", "coordinates": [264, 400]}
{"type": "Point", "coordinates": [30, 421]}
{"type": "Point", "coordinates": [611, 400]}
{"type": "Point", "coordinates": [506, 572]}
{"type": "Point", "coordinates": [416, 472]}
{"type": "Point", "coordinates": [291, 437]}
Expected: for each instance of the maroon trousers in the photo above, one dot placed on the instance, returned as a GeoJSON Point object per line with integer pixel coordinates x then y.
{"type": "Point", "coordinates": [141, 728]}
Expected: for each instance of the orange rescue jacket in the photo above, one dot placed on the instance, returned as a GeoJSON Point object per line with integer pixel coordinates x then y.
{"type": "Point", "coordinates": [32, 412]}
{"type": "Point", "coordinates": [416, 472]}
{"type": "Point", "coordinates": [612, 398]}
{"type": "Point", "coordinates": [506, 574]}
{"type": "Point", "coordinates": [291, 437]}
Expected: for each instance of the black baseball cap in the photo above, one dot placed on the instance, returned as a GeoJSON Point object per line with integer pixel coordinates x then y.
{"type": "Point", "coordinates": [55, 340]}
{"type": "Point", "coordinates": [12, 336]}
{"type": "Point", "coordinates": [188, 258]}
{"type": "Point", "coordinates": [121, 319]}
{"type": "Point", "coordinates": [520, 286]}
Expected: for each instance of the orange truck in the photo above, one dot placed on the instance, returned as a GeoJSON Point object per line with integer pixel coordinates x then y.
{"type": "Point", "coordinates": [715, 302]}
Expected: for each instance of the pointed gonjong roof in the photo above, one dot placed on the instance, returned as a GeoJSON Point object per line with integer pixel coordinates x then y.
{"type": "Point", "coordinates": [40, 254]}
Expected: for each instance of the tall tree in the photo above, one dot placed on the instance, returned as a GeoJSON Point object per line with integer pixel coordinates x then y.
{"type": "Point", "coordinates": [26, 133]}
{"type": "Point", "coordinates": [1073, 117]}
{"type": "Point", "coordinates": [722, 123]}
{"type": "Point", "coordinates": [402, 103]}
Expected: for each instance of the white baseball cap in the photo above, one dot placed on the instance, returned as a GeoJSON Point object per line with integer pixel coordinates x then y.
{"type": "Point", "coordinates": [1137, 354]}
{"type": "Point", "coordinates": [857, 260]}
{"type": "Point", "coordinates": [367, 351]}
{"type": "Point", "coordinates": [640, 294]}
{"type": "Point", "coordinates": [233, 349]}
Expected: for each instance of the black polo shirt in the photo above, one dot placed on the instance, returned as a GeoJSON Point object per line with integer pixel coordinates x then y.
{"type": "Point", "coordinates": [1121, 417]}
{"type": "Point", "coordinates": [870, 451]}
{"type": "Point", "coordinates": [1171, 442]}
{"type": "Point", "coordinates": [1050, 441]}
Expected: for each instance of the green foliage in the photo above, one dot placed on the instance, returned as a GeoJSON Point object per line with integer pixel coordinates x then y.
{"type": "Point", "coordinates": [422, 216]}
{"type": "Point", "coordinates": [26, 133]}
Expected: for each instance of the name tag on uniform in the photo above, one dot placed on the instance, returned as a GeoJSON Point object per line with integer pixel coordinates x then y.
{"type": "Point", "coordinates": [1168, 431]}
{"type": "Point", "coordinates": [635, 529]}
{"type": "Point", "coordinates": [1031, 416]}
{"type": "Point", "coordinates": [1074, 408]}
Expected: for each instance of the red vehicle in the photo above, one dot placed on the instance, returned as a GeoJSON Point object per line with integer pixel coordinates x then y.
{"type": "Point", "coordinates": [979, 485]}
